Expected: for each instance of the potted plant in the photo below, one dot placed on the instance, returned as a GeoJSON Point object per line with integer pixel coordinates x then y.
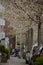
{"type": "Point", "coordinates": [7, 51]}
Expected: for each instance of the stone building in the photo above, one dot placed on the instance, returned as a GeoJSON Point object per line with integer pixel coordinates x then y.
{"type": "Point", "coordinates": [24, 15]}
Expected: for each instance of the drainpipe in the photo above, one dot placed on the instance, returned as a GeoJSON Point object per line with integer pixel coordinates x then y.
{"type": "Point", "coordinates": [39, 27]}
{"type": "Point", "coordinates": [16, 41]}
{"type": "Point", "coordinates": [39, 32]}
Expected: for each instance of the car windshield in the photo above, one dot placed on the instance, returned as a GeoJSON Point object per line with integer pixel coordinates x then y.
{"type": "Point", "coordinates": [35, 49]}
{"type": "Point", "coordinates": [41, 51]}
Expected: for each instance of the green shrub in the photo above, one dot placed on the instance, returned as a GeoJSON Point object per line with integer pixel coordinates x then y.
{"type": "Point", "coordinates": [7, 51]}
{"type": "Point", "coordinates": [2, 48]}
{"type": "Point", "coordinates": [33, 58]}
{"type": "Point", "coordinates": [39, 61]}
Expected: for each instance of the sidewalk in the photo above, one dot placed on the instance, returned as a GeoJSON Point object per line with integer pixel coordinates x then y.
{"type": "Point", "coordinates": [14, 61]}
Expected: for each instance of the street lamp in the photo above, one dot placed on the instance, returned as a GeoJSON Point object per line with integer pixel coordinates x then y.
{"type": "Point", "coordinates": [20, 40]}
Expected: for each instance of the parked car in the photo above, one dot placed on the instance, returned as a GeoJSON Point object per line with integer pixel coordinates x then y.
{"type": "Point", "coordinates": [19, 54]}
{"type": "Point", "coordinates": [37, 55]}
{"type": "Point", "coordinates": [27, 57]}
{"type": "Point", "coordinates": [40, 51]}
{"type": "Point", "coordinates": [29, 54]}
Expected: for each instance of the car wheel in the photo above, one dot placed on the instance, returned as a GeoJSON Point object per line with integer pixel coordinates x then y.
{"type": "Point", "coordinates": [26, 62]}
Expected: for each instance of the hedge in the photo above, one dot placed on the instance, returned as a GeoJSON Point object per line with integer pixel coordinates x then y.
{"type": "Point", "coordinates": [39, 61]}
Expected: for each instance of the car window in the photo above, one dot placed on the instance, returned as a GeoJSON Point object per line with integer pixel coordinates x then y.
{"type": "Point", "coordinates": [41, 51]}
{"type": "Point", "coordinates": [28, 51]}
{"type": "Point", "coordinates": [35, 50]}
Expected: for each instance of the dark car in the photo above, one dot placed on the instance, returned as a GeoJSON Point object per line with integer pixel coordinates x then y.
{"type": "Point", "coordinates": [40, 52]}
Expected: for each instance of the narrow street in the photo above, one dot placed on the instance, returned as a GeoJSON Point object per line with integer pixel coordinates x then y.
{"type": "Point", "coordinates": [15, 61]}
{"type": "Point", "coordinates": [21, 32]}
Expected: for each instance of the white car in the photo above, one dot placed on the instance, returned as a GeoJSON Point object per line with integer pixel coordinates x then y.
{"type": "Point", "coordinates": [27, 57]}
{"type": "Point", "coordinates": [29, 54]}
{"type": "Point", "coordinates": [40, 51]}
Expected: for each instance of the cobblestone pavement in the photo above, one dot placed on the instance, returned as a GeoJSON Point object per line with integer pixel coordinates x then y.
{"type": "Point", "coordinates": [15, 61]}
